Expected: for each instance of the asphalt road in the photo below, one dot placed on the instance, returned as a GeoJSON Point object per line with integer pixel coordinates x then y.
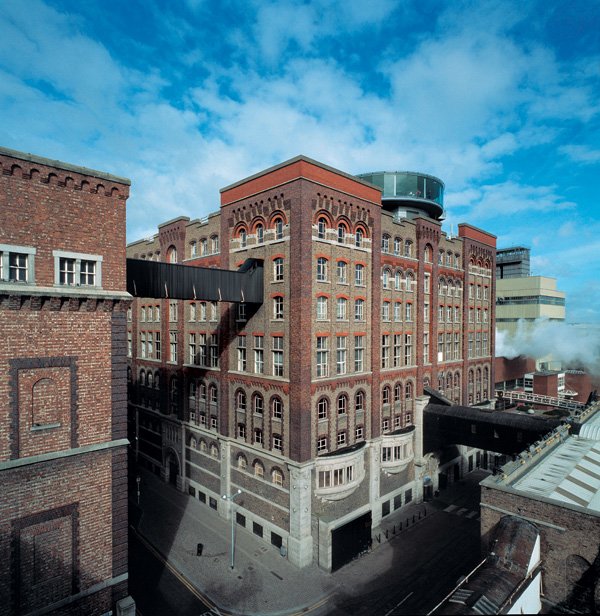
{"type": "Point", "coordinates": [157, 589]}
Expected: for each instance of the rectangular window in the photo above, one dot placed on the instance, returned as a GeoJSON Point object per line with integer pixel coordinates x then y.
{"type": "Point", "coordinates": [440, 349]}
{"type": "Point", "coordinates": [322, 356]}
{"type": "Point", "coordinates": [277, 442]}
{"type": "Point", "coordinates": [457, 346]}
{"type": "Point", "coordinates": [241, 312]}
{"type": "Point", "coordinates": [278, 269]}
{"type": "Point", "coordinates": [214, 351]}
{"type": "Point", "coordinates": [67, 273]}
{"type": "Point", "coordinates": [427, 283]}
{"type": "Point", "coordinates": [241, 353]}
{"type": "Point", "coordinates": [322, 444]}
{"type": "Point", "coordinates": [485, 344]}
{"type": "Point", "coordinates": [359, 275]}
{"type": "Point", "coordinates": [214, 311]}
{"type": "Point", "coordinates": [426, 312]}
{"type": "Point", "coordinates": [385, 351]}
{"type": "Point", "coordinates": [173, 311]}
{"type": "Point", "coordinates": [129, 345]}
{"type": "Point", "coordinates": [257, 529]}
{"type": "Point", "coordinates": [397, 350]}
{"type": "Point", "coordinates": [202, 350]}
{"type": "Point", "coordinates": [359, 353]}
{"type": "Point", "coordinates": [73, 268]}
{"type": "Point", "coordinates": [259, 355]}
{"type": "Point", "coordinates": [277, 356]}
{"type": "Point", "coordinates": [202, 311]}
{"type": "Point", "coordinates": [143, 345]}
{"type": "Point", "coordinates": [448, 346]}
{"type": "Point", "coordinates": [359, 433]}
{"type": "Point", "coordinates": [385, 311]}
{"type": "Point", "coordinates": [157, 350]}
{"type": "Point", "coordinates": [426, 348]}
{"type": "Point", "coordinates": [470, 351]}
{"type": "Point", "coordinates": [321, 308]}
{"type": "Point", "coordinates": [408, 350]}
{"type": "Point", "coordinates": [359, 309]}
{"type": "Point", "coordinates": [341, 313]}
{"type": "Point", "coordinates": [173, 347]}
{"type": "Point", "coordinates": [192, 349]}
{"type": "Point", "coordinates": [408, 312]}
{"type": "Point", "coordinates": [342, 272]}
{"type": "Point", "coordinates": [341, 354]}
{"type": "Point", "coordinates": [150, 344]}
{"type": "Point", "coordinates": [397, 311]}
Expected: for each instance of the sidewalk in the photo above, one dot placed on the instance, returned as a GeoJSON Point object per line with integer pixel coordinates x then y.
{"type": "Point", "coordinates": [262, 582]}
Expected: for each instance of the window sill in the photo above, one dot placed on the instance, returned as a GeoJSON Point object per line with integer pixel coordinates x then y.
{"type": "Point", "coordinates": [40, 427]}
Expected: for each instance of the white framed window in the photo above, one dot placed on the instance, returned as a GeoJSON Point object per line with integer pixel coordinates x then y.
{"type": "Point", "coordinates": [278, 229]}
{"type": "Point", "coordinates": [259, 355]}
{"type": "Point", "coordinates": [342, 309]}
{"type": "Point", "coordinates": [322, 269]}
{"type": "Point", "coordinates": [277, 477]}
{"type": "Point", "coordinates": [321, 228]}
{"type": "Point", "coordinates": [359, 275]}
{"type": "Point", "coordinates": [322, 308]}
{"type": "Point", "coordinates": [277, 442]}
{"type": "Point", "coordinates": [385, 311]}
{"type": "Point", "coordinates": [173, 347]}
{"type": "Point", "coordinates": [278, 269]}
{"type": "Point", "coordinates": [341, 439]}
{"type": "Point", "coordinates": [276, 408]}
{"type": "Point", "coordinates": [322, 356]}
{"type": "Point", "coordinates": [277, 356]}
{"type": "Point", "coordinates": [397, 311]}
{"type": "Point", "coordinates": [385, 351]}
{"type": "Point", "coordinates": [359, 433]}
{"type": "Point", "coordinates": [278, 307]}
{"type": "Point", "coordinates": [241, 353]}
{"type": "Point", "coordinates": [408, 311]}
{"type": "Point", "coordinates": [322, 444]}
{"type": "Point", "coordinates": [322, 408]}
{"type": "Point", "coordinates": [342, 272]}
{"type": "Point", "coordinates": [359, 309]}
{"type": "Point", "coordinates": [341, 354]}
{"type": "Point", "coordinates": [193, 249]}
{"type": "Point", "coordinates": [359, 353]}
{"type": "Point", "coordinates": [77, 269]}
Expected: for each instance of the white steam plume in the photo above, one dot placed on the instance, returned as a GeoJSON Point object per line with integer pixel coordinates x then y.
{"type": "Point", "coordinates": [571, 345]}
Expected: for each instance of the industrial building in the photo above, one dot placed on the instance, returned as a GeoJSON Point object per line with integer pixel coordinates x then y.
{"type": "Point", "coordinates": [63, 446]}
{"type": "Point", "coordinates": [307, 402]}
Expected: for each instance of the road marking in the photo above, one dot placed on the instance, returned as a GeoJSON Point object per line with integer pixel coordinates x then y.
{"type": "Point", "coordinates": [450, 508]}
{"type": "Point", "coordinates": [461, 511]}
{"type": "Point", "coordinates": [399, 604]}
{"type": "Point", "coordinates": [471, 514]}
{"type": "Point", "coordinates": [207, 602]}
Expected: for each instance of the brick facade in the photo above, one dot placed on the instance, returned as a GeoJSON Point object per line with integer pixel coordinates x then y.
{"type": "Point", "coordinates": [63, 514]}
{"type": "Point", "coordinates": [327, 416]}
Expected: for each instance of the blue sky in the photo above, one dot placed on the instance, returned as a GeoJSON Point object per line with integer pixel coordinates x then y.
{"type": "Point", "coordinates": [499, 99]}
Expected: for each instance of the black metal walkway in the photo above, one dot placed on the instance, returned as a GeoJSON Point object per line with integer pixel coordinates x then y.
{"type": "Point", "coordinates": [174, 281]}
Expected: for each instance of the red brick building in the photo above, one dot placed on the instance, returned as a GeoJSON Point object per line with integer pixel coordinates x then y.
{"type": "Point", "coordinates": [63, 447]}
{"type": "Point", "coordinates": [308, 404]}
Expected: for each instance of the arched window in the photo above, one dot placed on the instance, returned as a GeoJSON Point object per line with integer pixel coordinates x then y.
{"type": "Point", "coordinates": [278, 307]}
{"type": "Point", "coordinates": [156, 380]}
{"type": "Point", "coordinates": [202, 446]}
{"type": "Point", "coordinates": [359, 401]}
{"type": "Point", "coordinates": [385, 277]}
{"type": "Point", "coordinates": [278, 224]}
{"type": "Point", "coordinates": [242, 463]}
{"type": "Point", "coordinates": [409, 281]}
{"type": "Point", "coordinates": [322, 408]}
{"type": "Point", "coordinates": [385, 243]}
{"type": "Point", "coordinates": [321, 227]}
{"type": "Point", "coordinates": [428, 254]}
{"type": "Point", "coordinates": [203, 247]}
{"type": "Point", "coordinates": [408, 248]}
{"type": "Point", "coordinates": [276, 408]}
{"type": "Point", "coordinates": [258, 436]}
{"type": "Point", "coordinates": [172, 254]}
{"type": "Point", "coordinates": [243, 238]}
{"type": "Point", "coordinates": [240, 399]}
{"type": "Point", "coordinates": [397, 246]}
{"type": "Point", "coordinates": [358, 237]}
{"type": "Point", "coordinates": [214, 241]}
{"type": "Point", "coordinates": [277, 477]}
{"type": "Point", "coordinates": [408, 390]}
{"type": "Point", "coordinates": [214, 450]}
{"type": "Point", "coordinates": [260, 234]}
{"type": "Point", "coordinates": [385, 395]}
{"type": "Point", "coordinates": [398, 392]}
{"type": "Point", "coordinates": [341, 233]}
{"type": "Point", "coordinates": [259, 469]}
{"type": "Point", "coordinates": [258, 404]}
{"type": "Point", "coordinates": [398, 280]}
{"type": "Point", "coordinates": [322, 308]}
{"type": "Point", "coordinates": [212, 394]}
{"type": "Point", "coordinates": [193, 249]}
{"type": "Point", "coordinates": [359, 274]}
{"type": "Point", "coordinates": [342, 404]}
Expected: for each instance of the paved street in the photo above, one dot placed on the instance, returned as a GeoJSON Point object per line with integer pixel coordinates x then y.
{"type": "Point", "coordinates": [407, 573]}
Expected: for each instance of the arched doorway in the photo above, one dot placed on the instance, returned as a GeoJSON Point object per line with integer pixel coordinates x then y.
{"type": "Point", "coordinates": [171, 468]}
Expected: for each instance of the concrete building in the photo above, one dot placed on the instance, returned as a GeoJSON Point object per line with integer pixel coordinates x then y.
{"type": "Point", "coordinates": [307, 404]}
{"type": "Point", "coordinates": [63, 447]}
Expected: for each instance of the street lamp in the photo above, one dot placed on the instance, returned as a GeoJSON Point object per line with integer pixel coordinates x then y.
{"type": "Point", "coordinates": [230, 499]}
